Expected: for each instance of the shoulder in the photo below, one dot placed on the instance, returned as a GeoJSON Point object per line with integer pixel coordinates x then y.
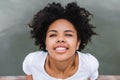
{"type": "Point", "coordinates": [33, 60]}
{"type": "Point", "coordinates": [33, 56]}
{"type": "Point", "coordinates": [89, 60]}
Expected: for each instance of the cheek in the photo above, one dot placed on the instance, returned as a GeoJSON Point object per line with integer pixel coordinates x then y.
{"type": "Point", "coordinates": [49, 42]}
{"type": "Point", "coordinates": [72, 45]}
{"type": "Point", "coordinates": [72, 42]}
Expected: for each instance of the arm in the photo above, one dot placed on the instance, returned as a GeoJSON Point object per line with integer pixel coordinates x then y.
{"type": "Point", "coordinates": [88, 78]}
{"type": "Point", "coordinates": [29, 77]}
{"type": "Point", "coordinates": [94, 64]}
{"type": "Point", "coordinates": [27, 66]}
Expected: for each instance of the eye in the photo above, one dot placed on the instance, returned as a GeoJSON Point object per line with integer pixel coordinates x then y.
{"type": "Point", "coordinates": [52, 35]}
{"type": "Point", "coordinates": [69, 35]}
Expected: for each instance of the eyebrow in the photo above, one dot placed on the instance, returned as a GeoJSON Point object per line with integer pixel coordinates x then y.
{"type": "Point", "coordinates": [52, 31]}
{"type": "Point", "coordinates": [69, 31]}
{"type": "Point", "coordinates": [64, 31]}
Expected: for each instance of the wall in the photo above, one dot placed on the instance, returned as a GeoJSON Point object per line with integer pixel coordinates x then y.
{"type": "Point", "coordinates": [15, 42]}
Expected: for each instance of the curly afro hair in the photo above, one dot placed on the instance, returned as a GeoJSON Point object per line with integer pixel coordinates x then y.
{"type": "Point", "coordinates": [78, 16]}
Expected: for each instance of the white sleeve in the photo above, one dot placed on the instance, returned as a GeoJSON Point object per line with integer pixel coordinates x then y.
{"type": "Point", "coordinates": [27, 64]}
{"type": "Point", "coordinates": [94, 65]}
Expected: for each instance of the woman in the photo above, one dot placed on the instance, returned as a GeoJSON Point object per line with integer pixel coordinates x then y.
{"type": "Point", "coordinates": [61, 33]}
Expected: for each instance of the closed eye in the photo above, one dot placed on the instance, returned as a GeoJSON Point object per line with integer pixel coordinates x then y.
{"type": "Point", "coordinates": [52, 35]}
{"type": "Point", "coordinates": [69, 35]}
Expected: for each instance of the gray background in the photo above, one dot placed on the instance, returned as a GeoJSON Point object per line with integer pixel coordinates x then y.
{"type": "Point", "coordinates": [15, 42]}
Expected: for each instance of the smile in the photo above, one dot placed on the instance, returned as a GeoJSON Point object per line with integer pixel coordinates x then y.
{"type": "Point", "coordinates": [61, 49]}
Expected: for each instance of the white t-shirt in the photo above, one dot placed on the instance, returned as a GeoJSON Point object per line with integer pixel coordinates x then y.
{"type": "Point", "coordinates": [34, 65]}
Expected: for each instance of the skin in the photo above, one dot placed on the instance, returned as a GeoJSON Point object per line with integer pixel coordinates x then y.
{"type": "Point", "coordinates": [61, 34]}
{"type": "Point", "coordinates": [61, 44]}
{"type": "Point", "coordinates": [29, 77]}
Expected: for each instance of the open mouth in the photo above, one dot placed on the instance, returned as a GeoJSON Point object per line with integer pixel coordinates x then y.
{"type": "Point", "coordinates": [61, 49]}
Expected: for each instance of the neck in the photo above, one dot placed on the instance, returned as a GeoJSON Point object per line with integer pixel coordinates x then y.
{"type": "Point", "coordinates": [61, 69]}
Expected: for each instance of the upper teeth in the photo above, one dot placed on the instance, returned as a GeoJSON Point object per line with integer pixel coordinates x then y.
{"type": "Point", "coordinates": [61, 48]}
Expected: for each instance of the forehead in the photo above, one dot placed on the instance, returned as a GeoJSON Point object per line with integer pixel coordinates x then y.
{"type": "Point", "coordinates": [62, 24]}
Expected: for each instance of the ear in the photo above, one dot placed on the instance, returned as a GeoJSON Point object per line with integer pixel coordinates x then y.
{"type": "Point", "coordinates": [78, 44]}
{"type": "Point", "coordinates": [46, 48]}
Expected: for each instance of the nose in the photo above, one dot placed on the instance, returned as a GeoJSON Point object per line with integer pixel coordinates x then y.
{"type": "Point", "coordinates": [61, 39]}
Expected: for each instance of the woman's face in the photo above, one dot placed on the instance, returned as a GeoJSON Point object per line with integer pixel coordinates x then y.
{"type": "Point", "coordinates": [61, 40]}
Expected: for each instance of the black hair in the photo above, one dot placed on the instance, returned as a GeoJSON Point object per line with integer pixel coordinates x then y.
{"type": "Point", "coordinates": [78, 16]}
